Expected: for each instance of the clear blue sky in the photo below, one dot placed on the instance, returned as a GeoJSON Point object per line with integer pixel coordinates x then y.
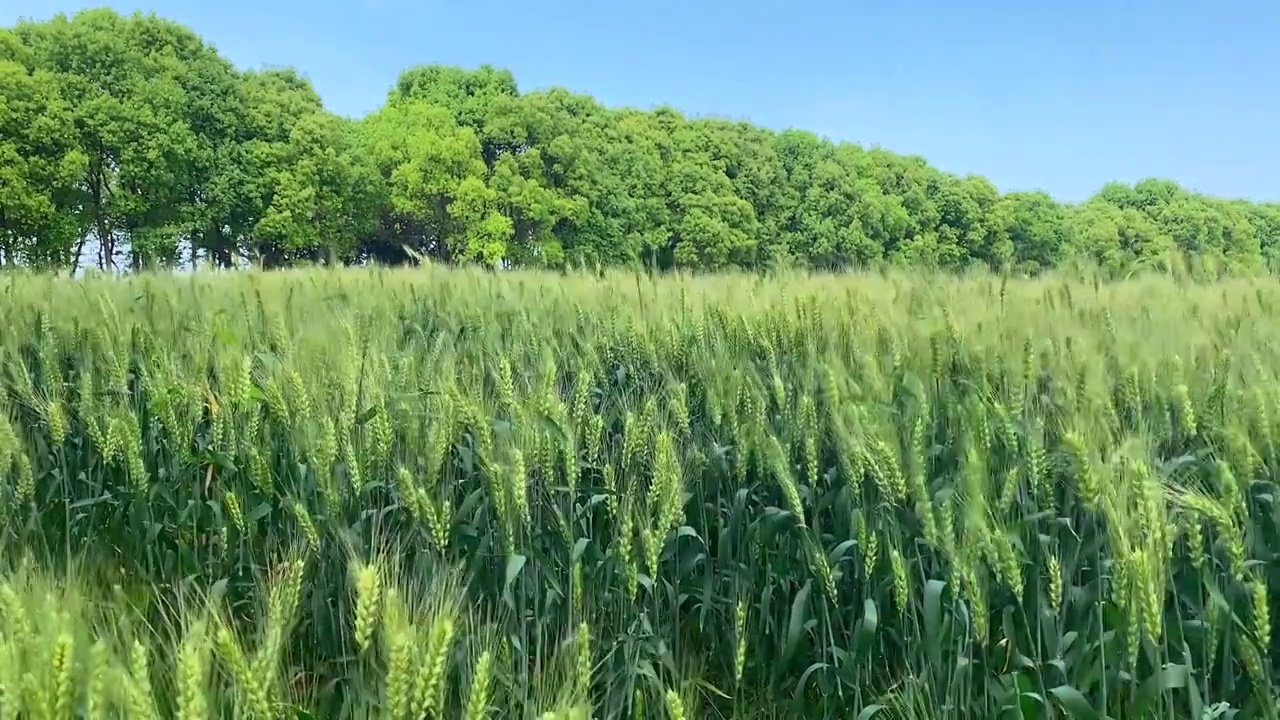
{"type": "Point", "coordinates": [1059, 96]}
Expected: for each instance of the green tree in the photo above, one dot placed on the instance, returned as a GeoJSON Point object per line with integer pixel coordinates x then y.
{"type": "Point", "coordinates": [152, 106]}
{"type": "Point", "coordinates": [323, 197]}
{"type": "Point", "coordinates": [1039, 230]}
{"type": "Point", "coordinates": [40, 162]}
{"type": "Point", "coordinates": [432, 179]}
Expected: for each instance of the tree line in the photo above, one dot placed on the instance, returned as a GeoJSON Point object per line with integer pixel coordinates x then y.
{"type": "Point", "coordinates": [130, 135]}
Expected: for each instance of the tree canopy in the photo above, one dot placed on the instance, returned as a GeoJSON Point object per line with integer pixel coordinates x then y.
{"type": "Point", "coordinates": [131, 135]}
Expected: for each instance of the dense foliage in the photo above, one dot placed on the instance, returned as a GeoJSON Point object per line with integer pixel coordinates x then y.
{"type": "Point", "coordinates": [369, 493]}
{"type": "Point", "coordinates": [132, 133]}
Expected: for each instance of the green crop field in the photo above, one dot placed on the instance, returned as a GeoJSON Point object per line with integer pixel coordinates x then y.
{"type": "Point", "coordinates": [461, 494]}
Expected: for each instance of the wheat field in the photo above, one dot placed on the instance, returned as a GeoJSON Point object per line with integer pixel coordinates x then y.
{"type": "Point", "coordinates": [439, 493]}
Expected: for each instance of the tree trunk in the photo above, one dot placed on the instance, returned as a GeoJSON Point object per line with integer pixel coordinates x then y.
{"type": "Point", "coordinates": [106, 239]}
{"type": "Point", "coordinates": [75, 259]}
